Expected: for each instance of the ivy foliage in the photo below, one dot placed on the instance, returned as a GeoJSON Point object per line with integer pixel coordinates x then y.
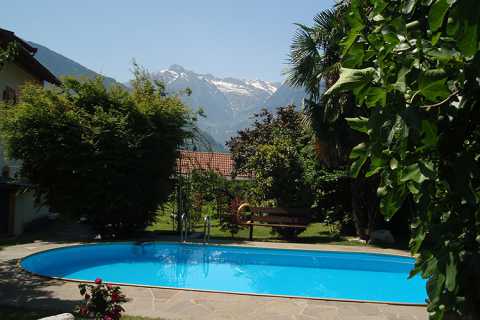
{"type": "Point", "coordinates": [414, 65]}
{"type": "Point", "coordinates": [8, 53]}
{"type": "Point", "coordinates": [107, 154]}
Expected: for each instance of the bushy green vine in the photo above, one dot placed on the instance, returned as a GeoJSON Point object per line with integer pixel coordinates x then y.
{"type": "Point", "coordinates": [415, 67]}
{"type": "Point", "coordinates": [8, 53]}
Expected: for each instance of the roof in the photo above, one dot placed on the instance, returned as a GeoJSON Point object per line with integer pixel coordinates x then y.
{"type": "Point", "coordinates": [26, 57]}
{"type": "Point", "coordinates": [222, 163]}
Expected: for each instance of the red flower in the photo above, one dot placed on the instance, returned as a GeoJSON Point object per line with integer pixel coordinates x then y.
{"type": "Point", "coordinates": [83, 311]}
{"type": "Point", "coordinates": [98, 281]}
{"type": "Point", "coordinates": [107, 317]}
{"type": "Point", "coordinates": [115, 297]}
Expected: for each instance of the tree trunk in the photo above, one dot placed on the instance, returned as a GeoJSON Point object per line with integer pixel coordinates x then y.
{"type": "Point", "coordinates": [365, 205]}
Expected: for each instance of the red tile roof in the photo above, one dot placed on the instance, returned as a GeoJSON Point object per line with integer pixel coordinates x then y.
{"type": "Point", "coordinates": [221, 163]}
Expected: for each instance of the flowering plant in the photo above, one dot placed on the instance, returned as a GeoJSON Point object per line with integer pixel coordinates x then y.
{"type": "Point", "coordinates": [101, 301]}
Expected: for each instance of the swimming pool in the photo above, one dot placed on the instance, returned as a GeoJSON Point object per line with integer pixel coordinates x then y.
{"type": "Point", "coordinates": [295, 273]}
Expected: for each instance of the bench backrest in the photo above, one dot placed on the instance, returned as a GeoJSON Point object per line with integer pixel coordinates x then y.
{"type": "Point", "coordinates": [293, 216]}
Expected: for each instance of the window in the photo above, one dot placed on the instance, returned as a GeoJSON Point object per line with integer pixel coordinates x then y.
{"type": "Point", "coordinates": [9, 95]}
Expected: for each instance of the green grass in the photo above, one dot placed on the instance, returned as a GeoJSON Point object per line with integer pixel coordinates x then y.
{"type": "Point", "coordinates": [11, 313]}
{"type": "Point", "coordinates": [315, 233]}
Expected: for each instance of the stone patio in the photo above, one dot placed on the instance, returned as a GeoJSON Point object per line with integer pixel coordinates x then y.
{"type": "Point", "coordinates": [19, 288]}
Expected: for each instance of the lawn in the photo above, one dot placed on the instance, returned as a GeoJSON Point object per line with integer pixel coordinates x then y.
{"type": "Point", "coordinates": [315, 233]}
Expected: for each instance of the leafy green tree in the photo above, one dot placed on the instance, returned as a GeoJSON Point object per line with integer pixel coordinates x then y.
{"type": "Point", "coordinates": [103, 153]}
{"type": "Point", "coordinates": [415, 65]}
{"type": "Point", "coordinates": [278, 151]}
{"type": "Point", "coordinates": [272, 151]}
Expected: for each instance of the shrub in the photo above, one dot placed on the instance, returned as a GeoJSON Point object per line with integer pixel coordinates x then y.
{"type": "Point", "coordinates": [104, 154]}
{"type": "Point", "coordinates": [101, 301]}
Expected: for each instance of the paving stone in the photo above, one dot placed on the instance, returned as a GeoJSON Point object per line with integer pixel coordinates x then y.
{"type": "Point", "coordinates": [320, 312]}
{"type": "Point", "coordinates": [378, 317]}
{"type": "Point", "coordinates": [164, 293]}
{"type": "Point", "coordinates": [367, 309]}
{"type": "Point", "coordinates": [282, 307]}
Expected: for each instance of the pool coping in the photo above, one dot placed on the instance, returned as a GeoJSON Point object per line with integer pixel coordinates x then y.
{"type": "Point", "coordinates": [219, 291]}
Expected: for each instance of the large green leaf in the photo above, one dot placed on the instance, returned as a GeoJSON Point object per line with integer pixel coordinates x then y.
{"type": "Point", "coordinates": [400, 84]}
{"type": "Point", "coordinates": [360, 155]}
{"type": "Point", "coordinates": [375, 96]}
{"type": "Point", "coordinates": [432, 85]}
{"type": "Point", "coordinates": [359, 124]}
{"type": "Point", "coordinates": [355, 56]}
{"type": "Point", "coordinates": [451, 273]}
{"type": "Point", "coordinates": [351, 78]}
{"type": "Point", "coordinates": [356, 24]}
{"type": "Point", "coordinates": [467, 34]}
{"type": "Point", "coordinates": [429, 130]}
{"type": "Point", "coordinates": [391, 202]}
{"type": "Point", "coordinates": [437, 14]}
{"type": "Point", "coordinates": [468, 38]}
{"type": "Point", "coordinates": [435, 284]}
{"type": "Point", "coordinates": [408, 6]}
{"type": "Point", "coordinates": [413, 173]}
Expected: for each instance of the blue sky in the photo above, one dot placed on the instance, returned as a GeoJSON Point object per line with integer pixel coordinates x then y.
{"type": "Point", "coordinates": [240, 38]}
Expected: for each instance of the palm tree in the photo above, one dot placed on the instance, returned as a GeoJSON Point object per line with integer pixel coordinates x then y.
{"type": "Point", "coordinates": [315, 62]}
{"type": "Point", "coordinates": [314, 59]}
{"type": "Point", "coordinates": [315, 52]}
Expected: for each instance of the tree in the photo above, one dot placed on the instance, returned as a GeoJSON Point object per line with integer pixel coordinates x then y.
{"type": "Point", "coordinates": [315, 60]}
{"type": "Point", "coordinates": [107, 154]}
{"type": "Point", "coordinates": [415, 65]}
{"type": "Point", "coordinates": [273, 150]}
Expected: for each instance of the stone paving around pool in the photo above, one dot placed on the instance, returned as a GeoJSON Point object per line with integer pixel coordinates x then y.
{"type": "Point", "coordinates": [19, 288]}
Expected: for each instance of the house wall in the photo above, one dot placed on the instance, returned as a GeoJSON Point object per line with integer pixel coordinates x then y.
{"type": "Point", "coordinates": [26, 211]}
{"type": "Point", "coordinates": [14, 76]}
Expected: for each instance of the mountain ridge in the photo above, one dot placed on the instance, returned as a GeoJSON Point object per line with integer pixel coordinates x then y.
{"type": "Point", "coordinates": [229, 103]}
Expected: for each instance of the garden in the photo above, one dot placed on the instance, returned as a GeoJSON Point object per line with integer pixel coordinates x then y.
{"type": "Point", "coordinates": [387, 140]}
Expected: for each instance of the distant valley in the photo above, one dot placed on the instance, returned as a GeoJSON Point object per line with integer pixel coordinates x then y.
{"type": "Point", "coordinates": [228, 103]}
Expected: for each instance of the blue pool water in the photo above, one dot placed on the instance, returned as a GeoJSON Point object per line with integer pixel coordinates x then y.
{"type": "Point", "coordinates": [316, 274]}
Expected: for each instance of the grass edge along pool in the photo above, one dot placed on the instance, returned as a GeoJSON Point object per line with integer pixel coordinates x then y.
{"type": "Point", "coordinates": [310, 274]}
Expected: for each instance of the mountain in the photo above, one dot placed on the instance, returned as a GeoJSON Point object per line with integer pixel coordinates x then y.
{"type": "Point", "coordinates": [285, 95]}
{"type": "Point", "coordinates": [228, 103]}
{"type": "Point", "coordinates": [61, 66]}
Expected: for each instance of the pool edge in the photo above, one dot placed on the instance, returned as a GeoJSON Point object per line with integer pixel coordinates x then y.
{"type": "Point", "coordinates": [19, 265]}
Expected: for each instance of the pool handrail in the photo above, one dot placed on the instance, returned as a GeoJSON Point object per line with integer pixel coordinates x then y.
{"type": "Point", "coordinates": [207, 225]}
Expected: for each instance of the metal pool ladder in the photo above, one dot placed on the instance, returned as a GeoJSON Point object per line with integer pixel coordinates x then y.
{"type": "Point", "coordinates": [207, 226]}
{"type": "Point", "coordinates": [183, 227]}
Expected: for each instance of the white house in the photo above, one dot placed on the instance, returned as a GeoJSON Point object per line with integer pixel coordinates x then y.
{"type": "Point", "coordinates": [17, 206]}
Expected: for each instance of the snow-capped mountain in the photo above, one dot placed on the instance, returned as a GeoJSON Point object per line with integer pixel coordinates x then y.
{"type": "Point", "coordinates": [228, 103]}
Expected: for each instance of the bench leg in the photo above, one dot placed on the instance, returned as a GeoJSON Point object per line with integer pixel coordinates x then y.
{"type": "Point", "coordinates": [251, 233]}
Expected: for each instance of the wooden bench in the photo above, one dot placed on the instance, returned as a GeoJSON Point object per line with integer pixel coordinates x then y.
{"type": "Point", "coordinates": [273, 217]}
